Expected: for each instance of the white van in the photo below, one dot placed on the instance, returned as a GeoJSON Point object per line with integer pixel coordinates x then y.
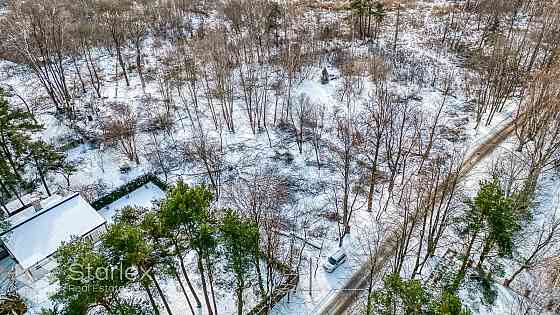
{"type": "Point", "coordinates": [334, 260]}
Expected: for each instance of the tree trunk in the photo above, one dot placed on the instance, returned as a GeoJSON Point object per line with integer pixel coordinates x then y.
{"type": "Point", "coordinates": [161, 294]}
{"type": "Point", "coordinates": [370, 289]}
{"type": "Point", "coordinates": [239, 292]}
{"type": "Point", "coordinates": [461, 273]}
{"type": "Point", "coordinates": [397, 27]}
{"type": "Point", "coordinates": [372, 179]}
{"type": "Point", "coordinates": [259, 276]}
{"type": "Point", "coordinates": [189, 284]}
{"type": "Point", "coordinates": [121, 63]}
{"type": "Point", "coordinates": [204, 287]}
{"type": "Point", "coordinates": [152, 300]}
{"type": "Point", "coordinates": [485, 251]}
{"type": "Point", "coordinates": [139, 64]}
{"type": "Point", "coordinates": [184, 291]}
{"type": "Point", "coordinates": [42, 176]}
{"type": "Point", "coordinates": [211, 280]}
{"type": "Point", "coordinates": [77, 69]}
{"type": "Point", "coordinates": [508, 281]}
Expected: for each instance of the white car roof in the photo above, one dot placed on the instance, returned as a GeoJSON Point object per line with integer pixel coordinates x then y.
{"type": "Point", "coordinates": [338, 254]}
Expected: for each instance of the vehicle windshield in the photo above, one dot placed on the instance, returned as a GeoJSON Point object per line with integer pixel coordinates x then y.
{"type": "Point", "coordinates": [332, 261]}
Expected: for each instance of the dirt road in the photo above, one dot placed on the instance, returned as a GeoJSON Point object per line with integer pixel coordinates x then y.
{"type": "Point", "coordinates": [345, 297]}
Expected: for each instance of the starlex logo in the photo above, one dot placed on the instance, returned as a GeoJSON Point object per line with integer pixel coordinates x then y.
{"type": "Point", "coordinates": [82, 273]}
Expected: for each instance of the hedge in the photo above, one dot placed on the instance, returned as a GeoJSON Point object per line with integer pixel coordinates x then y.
{"type": "Point", "coordinates": [127, 189]}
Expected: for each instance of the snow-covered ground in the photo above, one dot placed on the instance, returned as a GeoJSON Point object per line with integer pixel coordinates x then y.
{"type": "Point", "coordinates": [245, 153]}
{"type": "Point", "coordinates": [143, 197]}
{"type": "Point", "coordinates": [36, 292]}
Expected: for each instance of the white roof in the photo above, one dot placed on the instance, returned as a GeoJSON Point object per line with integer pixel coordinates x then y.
{"type": "Point", "coordinates": [28, 212]}
{"type": "Point", "coordinates": [38, 237]}
{"type": "Point", "coordinates": [15, 205]}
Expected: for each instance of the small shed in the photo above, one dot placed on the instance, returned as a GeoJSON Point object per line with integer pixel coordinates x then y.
{"type": "Point", "coordinates": [31, 242]}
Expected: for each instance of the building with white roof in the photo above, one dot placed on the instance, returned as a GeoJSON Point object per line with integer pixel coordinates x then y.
{"type": "Point", "coordinates": [36, 234]}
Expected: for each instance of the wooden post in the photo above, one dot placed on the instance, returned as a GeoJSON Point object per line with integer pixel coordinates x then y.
{"type": "Point", "coordinates": [310, 276]}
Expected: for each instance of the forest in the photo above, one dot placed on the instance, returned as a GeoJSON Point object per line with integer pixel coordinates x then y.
{"type": "Point", "coordinates": [421, 138]}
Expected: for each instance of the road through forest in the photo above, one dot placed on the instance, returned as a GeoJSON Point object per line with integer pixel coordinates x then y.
{"type": "Point", "coordinates": [346, 296]}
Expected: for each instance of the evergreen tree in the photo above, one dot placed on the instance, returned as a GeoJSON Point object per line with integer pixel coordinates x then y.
{"type": "Point", "coordinates": [185, 213]}
{"type": "Point", "coordinates": [16, 128]}
{"type": "Point", "coordinates": [128, 246]}
{"type": "Point", "coordinates": [378, 13]}
{"type": "Point", "coordinates": [204, 242]}
{"type": "Point", "coordinates": [18, 149]}
{"type": "Point", "coordinates": [179, 242]}
{"type": "Point", "coordinates": [400, 297]}
{"type": "Point", "coordinates": [240, 239]}
{"type": "Point", "coordinates": [359, 8]}
{"type": "Point", "coordinates": [163, 248]}
{"type": "Point", "coordinates": [131, 307]}
{"type": "Point", "coordinates": [47, 159]}
{"type": "Point", "coordinates": [448, 304]}
{"type": "Point", "coordinates": [490, 217]}
{"type": "Point", "coordinates": [409, 297]}
{"type": "Point", "coordinates": [84, 279]}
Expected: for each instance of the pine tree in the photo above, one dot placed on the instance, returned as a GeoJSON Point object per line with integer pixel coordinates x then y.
{"type": "Point", "coordinates": [405, 297]}
{"type": "Point", "coordinates": [83, 279]}
{"type": "Point", "coordinates": [164, 248]}
{"type": "Point", "coordinates": [184, 212]}
{"type": "Point", "coordinates": [178, 242]}
{"type": "Point", "coordinates": [16, 128]}
{"type": "Point", "coordinates": [240, 239]}
{"type": "Point", "coordinates": [490, 216]}
{"type": "Point", "coordinates": [378, 13]}
{"type": "Point", "coordinates": [204, 241]}
{"type": "Point", "coordinates": [18, 149]}
{"type": "Point", "coordinates": [448, 304]}
{"type": "Point", "coordinates": [127, 244]}
{"type": "Point", "coordinates": [409, 297]}
{"type": "Point", "coordinates": [46, 159]}
{"type": "Point", "coordinates": [359, 8]}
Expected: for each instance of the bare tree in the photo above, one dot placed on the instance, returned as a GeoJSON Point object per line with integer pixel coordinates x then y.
{"type": "Point", "coordinates": [301, 111]}
{"type": "Point", "coordinates": [36, 30]}
{"type": "Point", "coordinates": [317, 126]}
{"type": "Point", "coordinates": [260, 197]}
{"type": "Point", "coordinates": [345, 152]}
{"type": "Point", "coordinates": [210, 153]}
{"type": "Point", "coordinates": [378, 119]}
{"type": "Point", "coordinates": [121, 128]}
{"type": "Point", "coordinates": [113, 17]}
{"type": "Point", "coordinates": [540, 245]}
{"type": "Point", "coordinates": [538, 128]}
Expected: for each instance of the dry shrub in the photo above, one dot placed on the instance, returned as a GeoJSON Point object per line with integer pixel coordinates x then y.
{"type": "Point", "coordinates": [328, 31]}
{"type": "Point", "coordinates": [378, 68]}
{"type": "Point", "coordinates": [327, 5]}
{"type": "Point", "coordinates": [356, 66]}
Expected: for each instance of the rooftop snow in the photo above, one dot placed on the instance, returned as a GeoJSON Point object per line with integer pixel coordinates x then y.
{"type": "Point", "coordinates": [29, 211]}
{"type": "Point", "coordinates": [38, 237]}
